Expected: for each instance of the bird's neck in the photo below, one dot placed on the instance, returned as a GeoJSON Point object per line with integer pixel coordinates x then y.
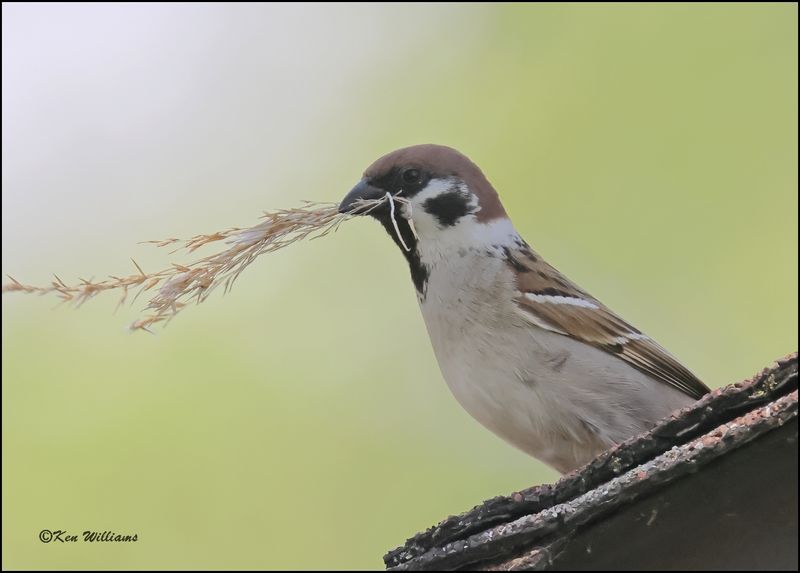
{"type": "Point", "coordinates": [467, 237]}
{"type": "Point", "coordinates": [441, 250]}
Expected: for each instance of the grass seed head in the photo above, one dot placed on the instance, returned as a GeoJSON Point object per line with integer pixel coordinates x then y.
{"type": "Point", "coordinates": [178, 284]}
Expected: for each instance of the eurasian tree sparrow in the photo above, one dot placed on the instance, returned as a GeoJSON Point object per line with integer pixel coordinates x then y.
{"type": "Point", "coordinates": [528, 353]}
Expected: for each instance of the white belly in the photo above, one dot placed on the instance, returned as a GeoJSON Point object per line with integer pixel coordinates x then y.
{"type": "Point", "coordinates": [553, 397]}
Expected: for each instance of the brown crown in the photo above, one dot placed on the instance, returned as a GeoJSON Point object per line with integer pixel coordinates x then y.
{"type": "Point", "coordinates": [444, 161]}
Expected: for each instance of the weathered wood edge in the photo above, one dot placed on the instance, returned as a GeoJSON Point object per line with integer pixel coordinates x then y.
{"type": "Point", "coordinates": [721, 406]}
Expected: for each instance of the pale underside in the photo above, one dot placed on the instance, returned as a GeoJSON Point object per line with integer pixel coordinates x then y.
{"type": "Point", "coordinates": [558, 398]}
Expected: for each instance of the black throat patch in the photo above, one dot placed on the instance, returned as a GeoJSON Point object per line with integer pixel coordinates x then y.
{"type": "Point", "coordinates": [419, 271]}
{"type": "Point", "coordinates": [447, 207]}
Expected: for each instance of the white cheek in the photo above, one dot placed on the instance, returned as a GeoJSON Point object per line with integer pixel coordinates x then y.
{"type": "Point", "coordinates": [437, 242]}
{"type": "Point", "coordinates": [427, 225]}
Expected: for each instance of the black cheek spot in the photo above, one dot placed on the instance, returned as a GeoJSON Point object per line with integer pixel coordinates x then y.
{"type": "Point", "coordinates": [448, 207]}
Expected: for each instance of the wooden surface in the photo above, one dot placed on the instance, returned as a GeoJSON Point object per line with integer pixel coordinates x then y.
{"type": "Point", "coordinates": [715, 486]}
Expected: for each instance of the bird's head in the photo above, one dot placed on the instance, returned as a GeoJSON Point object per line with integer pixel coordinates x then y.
{"type": "Point", "coordinates": [441, 202]}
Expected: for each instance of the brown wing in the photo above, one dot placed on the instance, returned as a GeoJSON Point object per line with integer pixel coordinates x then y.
{"type": "Point", "coordinates": [553, 302]}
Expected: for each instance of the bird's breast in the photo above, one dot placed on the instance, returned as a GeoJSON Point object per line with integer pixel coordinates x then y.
{"type": "Point", "coordinates": [480, 342]}
{"type": "Point", "coordinates": [554, 397]}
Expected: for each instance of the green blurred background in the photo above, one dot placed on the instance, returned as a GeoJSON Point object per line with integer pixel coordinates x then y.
{"type": "Point", "coordinates": [650, 152]}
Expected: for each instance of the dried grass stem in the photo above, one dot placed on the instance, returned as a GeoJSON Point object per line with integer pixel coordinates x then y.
{"type": "Point", "coordinates": [177, 285]}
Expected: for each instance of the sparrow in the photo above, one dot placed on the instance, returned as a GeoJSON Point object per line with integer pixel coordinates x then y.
{"type": "Point", "coordinates": [528, 353]}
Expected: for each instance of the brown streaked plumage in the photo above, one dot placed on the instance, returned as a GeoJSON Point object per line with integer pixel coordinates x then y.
{"type": "Point", "coordinates": [598, 326]}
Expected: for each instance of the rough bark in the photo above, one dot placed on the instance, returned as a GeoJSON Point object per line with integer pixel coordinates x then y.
{"type": "Point", "coordinates": [637, 505]}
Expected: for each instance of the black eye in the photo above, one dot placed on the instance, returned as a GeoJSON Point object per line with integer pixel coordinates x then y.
{"type": "Point", "coordinates": [411, 176]}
